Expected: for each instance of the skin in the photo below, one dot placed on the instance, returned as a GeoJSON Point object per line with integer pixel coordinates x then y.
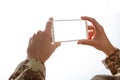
{"type": "Point", "coordinates": [97, 37]}
{"type": "Point", "coordinates": [40, 46]}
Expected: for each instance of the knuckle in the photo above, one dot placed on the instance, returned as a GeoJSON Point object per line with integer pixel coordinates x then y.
{"type": "Point", "coordinates": [39, 32]}
{"type": "Point", "coordinates": [93, 19]}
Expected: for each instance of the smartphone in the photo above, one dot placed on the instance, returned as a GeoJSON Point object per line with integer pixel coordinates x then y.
{"type": "Point", "coordinates": [68, 30]}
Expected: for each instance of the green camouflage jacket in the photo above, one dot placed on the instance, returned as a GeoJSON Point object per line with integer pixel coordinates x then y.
{"type": "Point", "coordinates": [33, 69]}
{"type": "Point", "coordinates": [30, 69]}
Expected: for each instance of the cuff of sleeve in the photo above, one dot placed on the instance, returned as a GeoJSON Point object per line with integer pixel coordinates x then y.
{"type": "Point", "coordinates": [113, 62]}
{"type": "Point", "coordinates": [36, 64]}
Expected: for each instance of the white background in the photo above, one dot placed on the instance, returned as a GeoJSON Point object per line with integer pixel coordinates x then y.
{"type": "Point", "coordinates": [20, 19]}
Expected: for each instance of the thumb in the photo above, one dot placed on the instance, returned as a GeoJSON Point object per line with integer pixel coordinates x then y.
{"type": "Point", "coordinates": [56, 44]}
{"type": "Point", "coordinates": [85, 42]}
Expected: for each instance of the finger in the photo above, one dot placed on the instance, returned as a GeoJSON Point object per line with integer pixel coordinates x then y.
{"type": "Point", "coordinates": [49, 26]}
{"type": "Point", "coordinates": [51, 18]}
{"type": "Point", "coordinates": [34, 35]}
{"type": "Point", "coordinates": [94, 22]}
{"type": "Point", "coordinates": [30, 40]}
{"type": "Point", "coordinates": [39, 32]}
{"type": "Point", "coordinates": [39, 35]}
{"type": "Point", "coordinates": [56, 44]}
{"type": "Point", "coordinates": [86, 42]}
{"type": "Point", "coordinates": [90, 34]}
{"type": "Point", "coordinates": [91, 27]}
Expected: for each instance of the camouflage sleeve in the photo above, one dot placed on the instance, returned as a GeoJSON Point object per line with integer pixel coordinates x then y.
{"type": "Point", "coordinates": [30, 69]}
{"type": "Point", "coordinates": [113, 62]}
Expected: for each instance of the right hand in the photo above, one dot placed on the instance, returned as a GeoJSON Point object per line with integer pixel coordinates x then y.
{"type": "Point", "coordinates": [97, 37]}
{"type": "Point", "coordinates": [40, 45]}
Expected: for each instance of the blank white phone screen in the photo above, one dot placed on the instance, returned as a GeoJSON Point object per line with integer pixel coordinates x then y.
{"type": "Point", "coordinates": [69, 30]}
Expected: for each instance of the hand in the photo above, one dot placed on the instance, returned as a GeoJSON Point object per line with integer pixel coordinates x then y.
{"type": "Point", "coordinates": [97, 37]}
{"type": "Point", "coordinates": [40, 46]}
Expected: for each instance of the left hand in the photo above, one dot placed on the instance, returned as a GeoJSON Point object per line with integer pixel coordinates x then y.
{"type": "Point", "coordinates": [40, 46]}
{"type": "Point", "coordinates": [97, 37]}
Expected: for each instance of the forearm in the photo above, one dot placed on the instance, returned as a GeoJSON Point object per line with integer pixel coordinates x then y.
{"type": "Point", "coordinates": [112, 62]}
{"type": "Point", "coordinates": [108, 49]}
{"type": "Point", "coordinates": [30, 69]}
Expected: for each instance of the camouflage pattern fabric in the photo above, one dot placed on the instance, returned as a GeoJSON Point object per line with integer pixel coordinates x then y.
{"type": "Point", "coordinates": [33, 69]}
{"type": "Point", "coordinates": [30, 69]}
{"type": "Point", "coordinates": [105, 77]}
{"type": "Point", "coordinates": [113, 62]}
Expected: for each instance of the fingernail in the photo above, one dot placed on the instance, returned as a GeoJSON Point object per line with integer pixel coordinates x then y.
{"type": "Point", "coordinates": [51, 18]}
{"type": "Point", "coordinates": [78, 42]}
{"type": "Point", "coordinates": [59, 43]}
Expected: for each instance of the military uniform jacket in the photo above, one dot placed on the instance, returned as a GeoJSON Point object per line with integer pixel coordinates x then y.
{"type": "Point", "coordinates": [33, 69]}
{"type": "Point", "coordinates": [30, 69]}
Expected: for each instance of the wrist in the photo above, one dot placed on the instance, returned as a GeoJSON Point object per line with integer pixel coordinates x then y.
{"type": "Point", "coordinates": [109, 50]}
{"type": "Point", "coordinates": [36, 56]}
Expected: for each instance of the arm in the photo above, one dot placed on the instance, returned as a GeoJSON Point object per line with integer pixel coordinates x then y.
{"type": "Point", "coordinates": [30, 69]}
{"type": "Point", "coordinates": [98, 39]}
{"type": "Point", "coordinates": [39, 50]}
{"type": "Point", "coordinates": [113, 62]}
{"type": "Point", "coordinates": [40, 46]}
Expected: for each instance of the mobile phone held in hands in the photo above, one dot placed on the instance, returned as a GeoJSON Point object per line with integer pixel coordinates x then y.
{"type": "Point", "coordinates": [68, 30]}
